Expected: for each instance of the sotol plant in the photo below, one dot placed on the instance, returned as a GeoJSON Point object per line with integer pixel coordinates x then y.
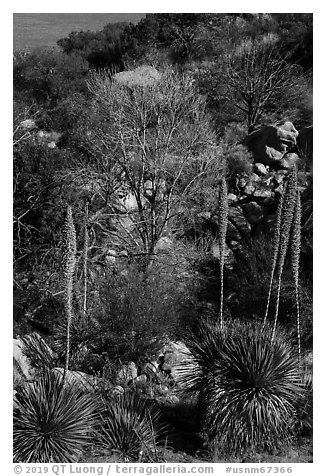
{"type": "Point", "coordinates": [52, 422]}
{"type": "Point", "coordinates": [130, 426]}
{"type": "Point", "coordinates": [247, 386]}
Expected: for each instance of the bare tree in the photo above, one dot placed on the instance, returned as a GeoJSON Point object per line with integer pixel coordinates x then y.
{"type": "Point", "coordinates": [161, 140]}
{"type": "Point", "coordinates": [257, 80]}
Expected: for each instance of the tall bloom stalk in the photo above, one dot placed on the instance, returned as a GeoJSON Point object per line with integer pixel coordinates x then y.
{"type": "Point", "coordinates": [85, 257]}
{"type": "Point", "coordinates": [287, 235]}
{"type": "Point", "coordinates": [223, 224]}
{"type": "Point", "coordinates": [71, 249]}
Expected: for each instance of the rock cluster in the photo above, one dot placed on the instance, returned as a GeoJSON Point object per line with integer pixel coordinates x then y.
{"type": "Point", "coordinates": [271, 144]}
{"type": "Point", "coordinates": [252, 207]}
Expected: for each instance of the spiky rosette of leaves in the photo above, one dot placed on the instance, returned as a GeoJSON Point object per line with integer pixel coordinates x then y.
{"type": "Point", "coordinates": [82, 334]}
{"type": "Point", "coordinates": [131, 426]}
{"type": "Point", "coordinates": [248, 386]}
{"type": "Point", "coordinates": [52, 422]}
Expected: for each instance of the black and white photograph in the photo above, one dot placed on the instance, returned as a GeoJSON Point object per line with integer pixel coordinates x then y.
{"type": "Point", "coordinates": [162, 240]}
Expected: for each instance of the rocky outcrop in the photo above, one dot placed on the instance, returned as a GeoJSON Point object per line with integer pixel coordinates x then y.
{"type": "Point", "coordinates": [252, 206]}
{"type": "Point", "coordinates": [270, 144]}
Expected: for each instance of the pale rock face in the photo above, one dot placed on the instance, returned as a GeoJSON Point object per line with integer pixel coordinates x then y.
{"type": "Point", "coordinates": [22, 368]}
{"type": "Point", "coordinates": [129, 202]}
{"type": "Point", "coordinates": [175, 353]}
{"type": "Point", "coordinates": [260, 169]}
{"type": "Point", "coordinates": [141, 76]}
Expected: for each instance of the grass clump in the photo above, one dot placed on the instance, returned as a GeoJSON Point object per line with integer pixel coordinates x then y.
{"type": "Point", "coordinates": [52, 422]}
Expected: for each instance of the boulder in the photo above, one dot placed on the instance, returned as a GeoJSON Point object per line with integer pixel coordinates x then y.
{"type": "Point", "coordinates": [249, 189]}
{"type": "Point", "coordinates": [234, 245]}
{"type": "Point", "coordinates": [117, 390]}
{"type": "Point", "coordinates": [279, 190]}
{"type": "Point", "coordinates": [262, 193]}
{"type": "Point", "coordinates": [111, 257]}
{"type": "Point", "coordinates": [279, 178]}
{"type": "Point", "coordinates": [289, 160]}
{"type": "Point", "coordinates": [127, 373]}
{"type": "Point", "coordinates": [232, 233]}
{"type": "Point", "coordinates": [79, 379]}
{"type": "Point", "coordinates": [175, 353]}
{"type": "Point", "coordinates": [141, 76]}
{"type": "Point", "coordinates": [260, 169]}
{"type": "Point", "coordinates": [129, 202]}
{"type": "Point", "coordinates": [253, 212]}
{"type": "Point", "coordinates": [270, 143]}
{"type": "Point", "coordinates": [150, 369]}
{"type": "Point", "coordinates": [22, 369]}
{"type": "Point", "coordinates": [254, 177]}
{"type": "Point", "coordinates": [232, 198]}
{"type": "Point", "coordinates": [141, 379]}
{"type": "Point", "coordinates": [237, 218]}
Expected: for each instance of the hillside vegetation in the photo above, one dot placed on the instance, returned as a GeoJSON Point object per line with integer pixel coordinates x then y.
{"type": "Point", "coordinates": [163, 242]}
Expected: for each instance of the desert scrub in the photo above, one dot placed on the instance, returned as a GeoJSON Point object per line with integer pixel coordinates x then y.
{"type": "Point", "coordinates": [52, 422]}
{"type": "Point", "coordinates": [130, 426]}
{"type": "Point", "coordinates": [247, 386]}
